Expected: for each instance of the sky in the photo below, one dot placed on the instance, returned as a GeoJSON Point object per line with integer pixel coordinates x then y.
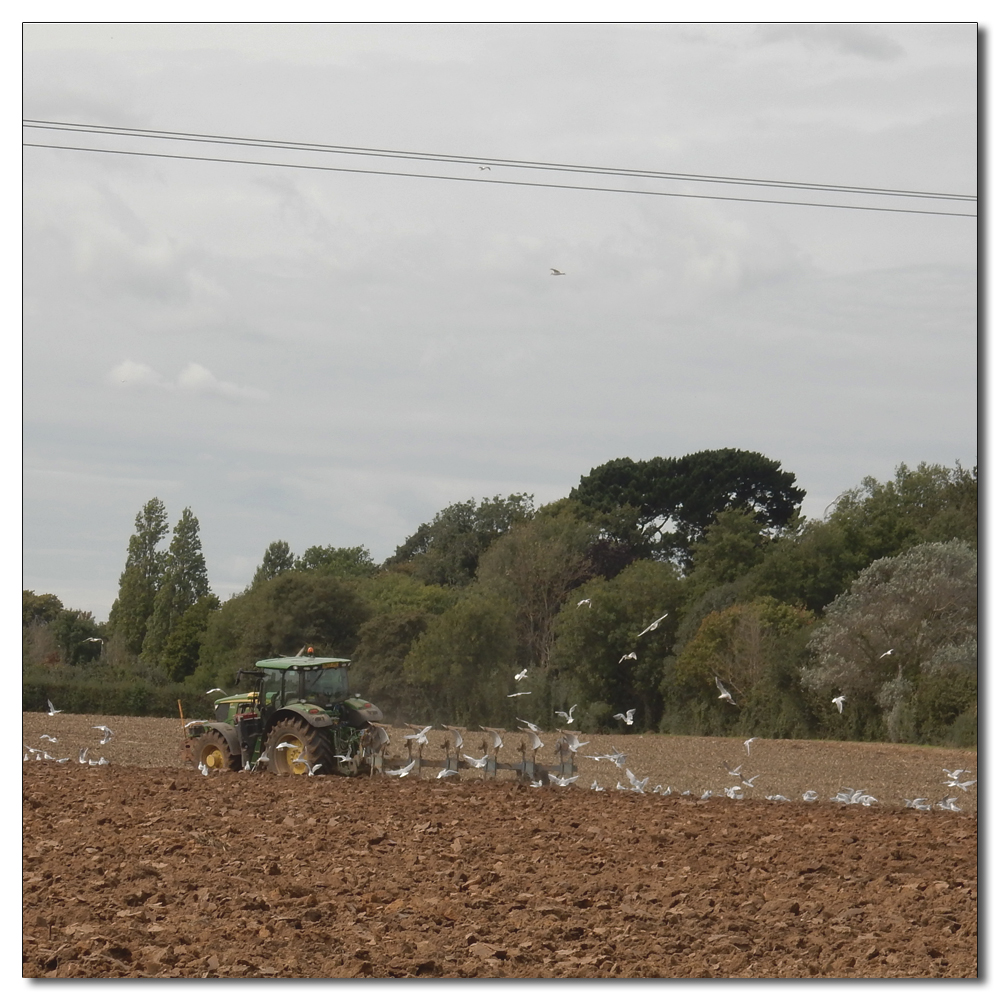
{"type": "Point", "coordinates": [331, 357]}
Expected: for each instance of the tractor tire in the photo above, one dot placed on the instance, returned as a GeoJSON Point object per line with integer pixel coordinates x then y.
{"type": "Point", "coordinates": [213, 751]}
{"type": "Point", "coordinates": [311, 744]}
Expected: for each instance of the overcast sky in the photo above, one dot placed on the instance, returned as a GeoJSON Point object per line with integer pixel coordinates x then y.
{"type": "Point", "coordinates": [330, 358]}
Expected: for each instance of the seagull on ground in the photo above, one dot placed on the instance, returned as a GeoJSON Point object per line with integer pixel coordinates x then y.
{"type": "Point", "coordinates": [725, 695]}
{"type": "Point", "coordinates": [707, 794]}
{"type": "Point", "coordinates": [556, 271]}
{"type": "Point", "coordinates": [52, 709]}
{"type": "Point", "coordinates": [734, 793]}
{"type": "Point", "coordinates": [776, 798]}
{"type": "Point", "coordinates": [628, 656]}
{"type": "Point", "coordinates": [888, 652]}
{"type": "Point", "coordinates": [839, 702]}
{"type": "Point", "coordinates": [652, 628]}
{"type": "Point", "coordinates": [446, 772]}
{"type": "Point", "coordinates": [626, 718]}
{"type": "Point", "coordinates": [216, 690]}
{"type": "Point", "coordinates": [477, 762]}
{"type": "Point", "coordinates": [921, 804]}
{"type": "Point", "coordinates": [203, 767]}
{"type": "Point", "coordinates": [518, 694]}
{"type": "Point", "coordinates": [83, 755]}
{"type": "Point", "coordinates": [586, 601]}
{"type": "Point", "coordinates": [809, 796]}
{"type": "Point", "coordinates": [403, 771]}
{"type": "Point", "coordinates": [531, 726]}
{"type": "Point", "coordinates": [51, 739]}
{"type": "Point", "coordinates": [108, 733]}
{"type": "Point", "coordinates": [568, 716]}
{"type": "Point", "coordinates": [61, 760]}
{"type": "Point", "coordinates": [521, 674]}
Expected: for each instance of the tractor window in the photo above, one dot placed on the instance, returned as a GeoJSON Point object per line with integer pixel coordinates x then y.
{"type": "Point", "coordinates": [326, 686]}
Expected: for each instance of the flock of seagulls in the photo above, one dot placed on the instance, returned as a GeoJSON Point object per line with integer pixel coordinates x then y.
{"type": "Point", "coordinates": [35, 754]}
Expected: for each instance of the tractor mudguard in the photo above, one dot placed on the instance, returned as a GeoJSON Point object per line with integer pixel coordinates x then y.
{"type": "Point", "coordinates": [360, 712]}
{"type": "Point", "coordinates": [229, 732]}
{"type": "Point", "coordinates": [315, 716]}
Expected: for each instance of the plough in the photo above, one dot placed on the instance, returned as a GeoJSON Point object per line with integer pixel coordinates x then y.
{"type": "Point", "coordinates": [375, 740]}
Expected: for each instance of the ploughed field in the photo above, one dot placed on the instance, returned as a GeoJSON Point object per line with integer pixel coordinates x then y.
{"type": "Point", "coordinates": [145, 868]}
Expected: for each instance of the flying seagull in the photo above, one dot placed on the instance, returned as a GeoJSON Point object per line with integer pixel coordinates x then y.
{"type": "Point", "coordinates": [51, 739]}
{"type": "Point", "coordinates": [214, 690]}
{"type": "Point", "coordinates": [586, 601]}
{"type": "Point", "coordinates": [52, 708]}
{"type": "Point", "coordinates": [749, 781]}
{"type": "Point", "coordinates": [83, 755]}
{"type": "Point", "coordinates": [653, 627]}
{"type": "Point", "coordinates": [573, 741]}
{"type": "Point", "coordinates": [484, 168]}
{"type": "Point", "coordinates": [446, 772]}
{"type": "Point", "coordinates": [556, 270]}
{"type": "Point", "coordinates": [477, 762]}
{"type": "Point", "coordinates": [420, 737]}
{"type": "Point", "coordinates": [107, 733]}
{"type": "Point", "coordinates": [518, 694]}
{"type": "Point", "coordinates": [561, 781]}
{"type": "Point", "coordinates": [949, 804]}
{"type": "Point", "coordinates": [628, 656]}
{"type": "Point", "coordinates": [725, 695]}
{"type": "Point", "coordinates": [888, 652]}
{"type": "Point", "coordinates": [531, 726]}
{"type": "Point", "coordinates": [734, 771]}
{"type": "Point", "coordinates": [747, 743]}
{"type": "Point", "coordinates": [626, 718]}
{"type": "Point", "coordinates": [521, 674]}
{"type": "Point", "coordinates": [839, 702]}
{"type": "Point", "coordinates": [403, 771]}
{"type": "Point", "coordinates": [568, 716]}
{"type": "Point", "coordinates": [954, 774]}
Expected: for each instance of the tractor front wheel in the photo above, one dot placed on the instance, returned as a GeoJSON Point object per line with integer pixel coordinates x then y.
{"type": "Point", "coordinates": [213, 751]}
{"type": "Point", "coordinates": [305, 750]}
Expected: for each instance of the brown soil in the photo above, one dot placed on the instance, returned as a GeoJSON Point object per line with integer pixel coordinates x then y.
{"type": "Point", "coordinates": [144, 867]}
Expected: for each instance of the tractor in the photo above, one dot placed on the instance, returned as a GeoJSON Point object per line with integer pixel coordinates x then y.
{"type": "Point", "coordinates": [299, 718]}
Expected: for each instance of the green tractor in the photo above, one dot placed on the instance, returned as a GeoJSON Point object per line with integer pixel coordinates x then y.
{"type": "Point", "coordinates": [298, 719]}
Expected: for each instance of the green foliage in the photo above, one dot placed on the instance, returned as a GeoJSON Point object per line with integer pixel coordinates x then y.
{"type": "Point", "coordinates": [179, 658]}
{"type": "Point", "coordinates": [184, 582]}
{"type": "Point", "coordinates": [140, 580]}
{"type": "Point", "coordinates": [350, 562]}
{"type": "Point", "coordinates": [923, 605]}
{"type": "Point", "coordinates": [447, 550]}
{"type": "Point", "coordinates": [592, 639]}
{"type": "Point", "coordinates": [277, 559]}
{"type": "Point", "coordinates": [71, 630]}
{"type": "Point", "coordinates": [39, 609]}
{"type": "Point", "coordinates": [678, 498]}
{"type": "Point", "coordinates": [731, 546]}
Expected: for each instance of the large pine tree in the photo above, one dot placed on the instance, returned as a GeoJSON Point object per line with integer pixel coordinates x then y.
{"type": "Point", "coordinates": [185, 580]}
{"type": "Point", "coordinates": [140, 581]}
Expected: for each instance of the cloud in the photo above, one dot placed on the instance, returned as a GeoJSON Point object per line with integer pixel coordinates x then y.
{"type": "Point", "coordinates": [195, 378]}
{"type": "Point", "coordinates": [850, 39]}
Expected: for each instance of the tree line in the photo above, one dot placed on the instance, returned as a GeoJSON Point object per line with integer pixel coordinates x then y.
{"type": "Point", "coordinates": [876, 601]}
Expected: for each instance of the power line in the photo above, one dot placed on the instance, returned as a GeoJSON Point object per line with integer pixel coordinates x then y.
{"type": "Point", "coordinates": [479, 180]}
{"type": "Point", "coordinates": [481, 160]}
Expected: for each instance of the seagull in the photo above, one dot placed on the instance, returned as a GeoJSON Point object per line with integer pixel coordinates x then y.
{"type": "Point", "coordinates": [628, 656]}
{"type": "Point", "coordinates": [734, 793]}
{"type": "Point", "coordinates": [888, 652]}
{"type": "Point", "coordinates": [617, 758]}
{"type": "Point", "coordinates": [477, 762]}
{"type": "Point", "coordinates": [747, 743]}
{"type": "Point", "coordinates": [344, 758]}
{"type": "Point", "coordinates": [196, 722]}
{"type": "Point", "coordinates": [556, 271]}
{"type": "Point", "coordinates": [573, 742]}
{"type": "Point", "coordinates": [749, 781]}
{"type": "Point", "coordinates": [951, 805]}
{"type": "Point", "coordinates": [459, 742]}
{"type": "Point", "coordinates": [707, 794]}
{"type": "Point", "coordinates": [52, 708]}
{"type": "Point", "coordinates": [61, 760]}
{"type": "Point", "coordinates": [637, 785]}
{"type": "Point", "coordinates": [203, 767]}
{"type": "Point", "coordinates": [568, 716]}
{"type": "Point", "coordinates": [839, 702]}
{"type": "Point", "coordinates": [725, 695]}
{"type": "Point", "coordinates": [484, 168]}
{"type": "Point", "coordinates": [595, 787]}
{"type": "Point", "coordinates": [809, 796]}
{"type": "Point", "coordinates": [776, 798]}
{"type": "Point", "coordinates": [311, 769]}
{"type": "Point", "coordinates": [287, 746]}
{"type": "Point", "coordinates": [921, 804]}
{"type": "Point", "coordinates": [213, 691]}
{"type": "Point", "coordinates": [954, 774]}
{"type": "Point", "coordinates": [586, 601]}
{"type": "Point", "coordinates": [521, 674]}
{"type": "Point", "coordinates": [537, 784]}
{"type": "Point", "coordinates": [653, 627]}
{"type": "Point", "coordinates": [626, 718]}
{"type": "Point", "coordinates": [51, 739]}
{"type": "Point", "coordinates": [531, 726]}
{"type": "Point", "coordinates": [563, 782]}
{"type": "Point", "coordinates": [420, 737]}
{"type": "Point", "coordinates": [403, 771]}
{"type": "Point", "coordinates": [518, 694]}
{"type": "Point", "coordinates": [446, 772]}
{"type": "Point", "coordinates": [497, 739]}
{"type": "Point", "coordinates": [734, 771]}
{"type": "Point", "coordinates": [83, 755]}
{"type": "Point", "coordinates": [107, 733]}
{"type": "Point", "coordinates": [965, 785]}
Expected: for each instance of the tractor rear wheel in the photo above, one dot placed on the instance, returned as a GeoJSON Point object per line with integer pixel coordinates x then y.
{"type": "Point", "coordinates": [309, 748]}
{"type": "Point", "coordinates": [213, 751]}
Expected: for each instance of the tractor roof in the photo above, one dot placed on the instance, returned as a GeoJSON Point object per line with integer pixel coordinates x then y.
{"type": "Point", "coordinates": [288, 662]}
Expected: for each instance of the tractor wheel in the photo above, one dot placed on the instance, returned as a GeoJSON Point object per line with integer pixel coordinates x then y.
{"type": "Point", "coordinates": [213, 751]}
{"type": "Point", "coordinates": [309, 746]}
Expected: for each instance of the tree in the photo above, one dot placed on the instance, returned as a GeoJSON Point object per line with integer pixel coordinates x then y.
{"type": "Point", "coordinates": [730, 547]}
{"type": "Point", "coordinates": [447, 550]}
{"type": "Point", "coordinates": [344, 562]}
{"type": "Point", "coordinates": [39, 609]}
{"type": "Point", "coordinates": [904, 620]}
{"type": "Point", "coordinates": [71, 630]}
{"type": "Point", "coordinates": [277, 559]}
{"type": "Point", "coordinates": [184, 581]}
{"type": "Point", "coordinates": [140, 580]}
{"type": "Point", "coordinates": [179, 658]}
{"type": "Point", "coordinates": [678, 498]}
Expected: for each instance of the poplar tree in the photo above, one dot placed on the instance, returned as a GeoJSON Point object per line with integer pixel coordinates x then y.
{"type": "Point", "coordinates": [141, 578]}
{"type": "Point", "coordinates": [185, 580]}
